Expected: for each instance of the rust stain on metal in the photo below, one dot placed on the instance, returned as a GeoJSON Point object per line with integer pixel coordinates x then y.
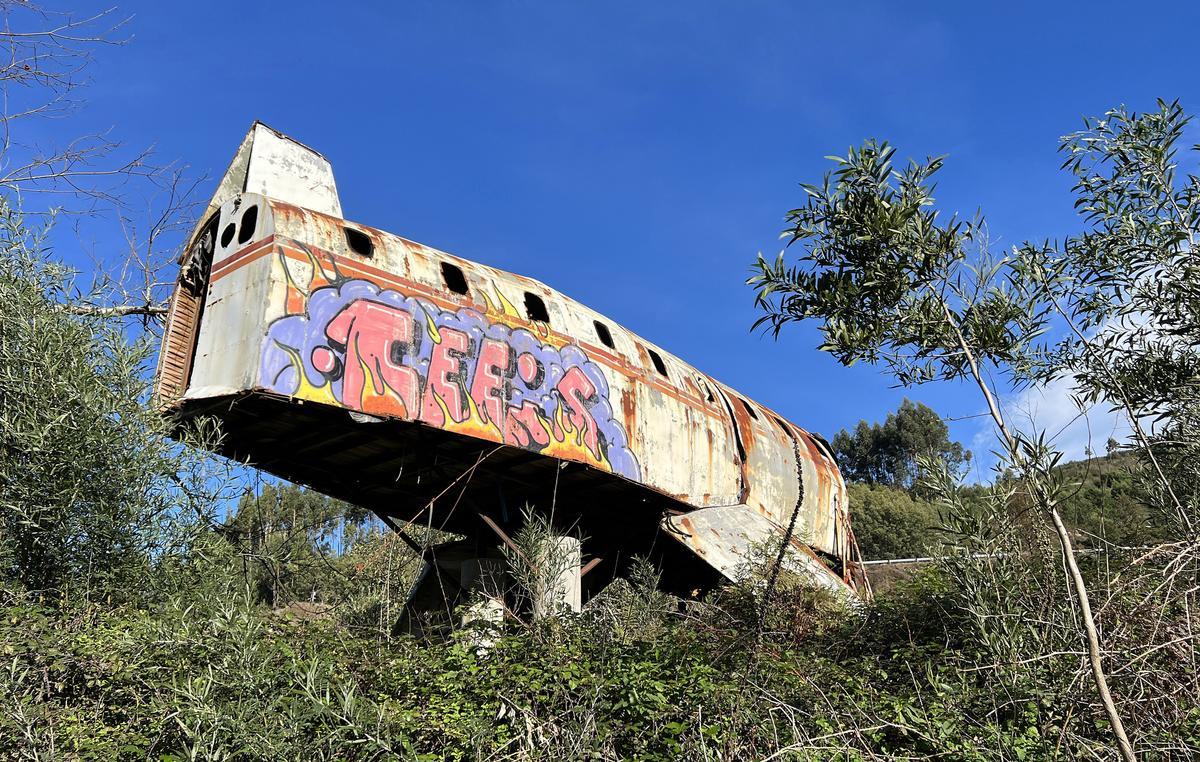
{"type": "Point", "coordinates": [293, 311]}
{"type": "Point", "coordinates": [629, 410]}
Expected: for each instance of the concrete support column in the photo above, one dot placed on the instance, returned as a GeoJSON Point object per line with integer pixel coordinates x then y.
{"type": "Point", "coordinates": [560, 588]}
{"type": "Point", "coordinates": [483, 587]}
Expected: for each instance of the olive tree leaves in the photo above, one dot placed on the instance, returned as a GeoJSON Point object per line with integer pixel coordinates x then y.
{"type": "Point", "coordinates": [890, 280]}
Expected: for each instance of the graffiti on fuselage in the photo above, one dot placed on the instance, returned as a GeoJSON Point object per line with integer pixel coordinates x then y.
{"type": "Point", "coordinates": [385, 353]}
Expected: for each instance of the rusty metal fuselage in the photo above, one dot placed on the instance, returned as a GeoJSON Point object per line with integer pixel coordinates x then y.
{"type": "Point", "coordinates": [432, 388]}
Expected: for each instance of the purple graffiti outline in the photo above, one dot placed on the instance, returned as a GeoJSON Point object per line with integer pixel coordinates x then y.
{"type": "Point", "coordinates": [300, 335]}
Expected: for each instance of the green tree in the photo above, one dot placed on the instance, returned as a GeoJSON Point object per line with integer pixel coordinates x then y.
{"type": "Point", "coordinates": [92, 490]}
{"type": "Point", "coordinates": [891, 523]}
{"type": "Point", "coordinates": [887, 453]}
{"type": "Point", "coordinates": [293, 542]}
{"type": "Point", "coordinates": [1128, 291]}
{"type": "Point", "coordinates": [891, 281]}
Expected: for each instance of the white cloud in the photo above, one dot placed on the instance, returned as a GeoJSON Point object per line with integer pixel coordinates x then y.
{"type": "Point", "coordinates": [1052, 408]}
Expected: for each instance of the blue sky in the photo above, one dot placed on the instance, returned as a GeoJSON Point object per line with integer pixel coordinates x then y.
{"type": "Point", "coordinates": [637, 156]}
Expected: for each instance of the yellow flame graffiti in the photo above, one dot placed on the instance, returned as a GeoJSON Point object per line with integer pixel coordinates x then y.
{"type": "Point", "coordinates": [315, 277]}
{"type": "Point", "coordinates": [431, 328]}
{"type": "Point", "coordinates": [476, 423]}
{"type": "Point", "coordinates": [307, 390]}
{"type": "Point", "coordinates": [488, 307]}
{"type": "Point", "coordinates": [385, 403]}
{"type": "Point", "coordinates": [505, 305]}
{"type": "Point", "coordinates": [570, 446]}
{"type": "Point", "coordinates": [500, 307]}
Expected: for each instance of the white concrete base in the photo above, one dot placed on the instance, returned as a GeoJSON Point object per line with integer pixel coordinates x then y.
{"type": "Point", "coordinates": [483, 615]}
{"type": "Point", "coordinates": [563, 590]}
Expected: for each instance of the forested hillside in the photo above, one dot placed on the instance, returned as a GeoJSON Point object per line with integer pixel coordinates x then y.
{"type": "Point", "coordinates": [895, 516]}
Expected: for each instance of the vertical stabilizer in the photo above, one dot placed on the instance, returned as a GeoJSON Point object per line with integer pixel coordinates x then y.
{"type": "Point", "coordinates": [271, 163]}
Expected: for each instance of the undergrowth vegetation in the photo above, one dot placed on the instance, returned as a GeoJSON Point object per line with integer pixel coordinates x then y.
{"type": "Point", "coordinates": [932, 668]}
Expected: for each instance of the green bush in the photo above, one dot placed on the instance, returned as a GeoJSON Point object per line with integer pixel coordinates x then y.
{"type": "Point", "coordinates": [92, 491]}
{"type": "Point", "coordinates": [918, 673]}
{"type": "Point", "coordinates": [891, 523]}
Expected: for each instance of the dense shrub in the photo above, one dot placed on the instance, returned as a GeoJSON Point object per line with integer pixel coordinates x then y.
{"type": "Point", "coordinates": [892, 523]}
{"type": "Point", "coordinates": [922, 672]}
{"type": "Point", "coordinates": [92, 491]}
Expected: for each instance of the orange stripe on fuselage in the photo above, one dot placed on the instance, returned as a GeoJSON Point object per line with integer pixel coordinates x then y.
{"type": "Point", "coordinates": [226, 265]}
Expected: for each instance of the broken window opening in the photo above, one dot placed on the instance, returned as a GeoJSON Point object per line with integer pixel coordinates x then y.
{"type": "Point", "coordinates": [227, 234]}
{"type": "Point", "coordinates": [749, 409]}
{"type": "Point", "coordinates": [659, 365]}
{"type": "Point", "coordinates": [782, 426]}
{"type": "Point", "coordinates": [603, 334]}
{"type": "Point", "coordinates": [249, 221]}
{"type": "Point", "coordinates": [737, 431]}
{"type": "Point", "coordinates": [535, 308]}
{"type": "Point", "coordinates": [824, 445]}
{"type": "Point", "coordinates": [452, 276]}
{"type": "Point", "coordinates": [359, 242]}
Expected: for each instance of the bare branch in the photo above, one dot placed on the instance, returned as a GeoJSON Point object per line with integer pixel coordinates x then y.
{"type": "Point", "coordinates": [121, 310]}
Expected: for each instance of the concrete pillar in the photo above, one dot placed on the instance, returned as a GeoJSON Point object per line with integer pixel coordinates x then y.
{"type": "Point", "coordinates": [483, 585]}
{"type": "Point", "coordinates": [560, 588]}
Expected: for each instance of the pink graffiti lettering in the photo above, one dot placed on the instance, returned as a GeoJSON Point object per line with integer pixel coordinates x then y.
{"type": "Point", "coordinates": [369, 331]}
{"type": "Point", "coordinates": [488, 386]}
{"type": "Point", "coordinates": [446, 379]}
{"type": "Point", "coordinates": [577, 391]}
{"type": "Point", "coordinates": [524, 427]}
{"type": "Point", "coordinates": [395, 355]}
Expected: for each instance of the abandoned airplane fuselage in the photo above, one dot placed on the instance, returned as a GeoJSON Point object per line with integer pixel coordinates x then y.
{"type": "Point", "coordinates": [437, 390]}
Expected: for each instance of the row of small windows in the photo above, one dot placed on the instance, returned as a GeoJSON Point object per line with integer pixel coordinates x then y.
{"type": "Point", "coordinates": [456, 281]}
{"type": "Point", "coordinates": [535, 307]}
{"type": "Point", "coordinates": [359, 242]}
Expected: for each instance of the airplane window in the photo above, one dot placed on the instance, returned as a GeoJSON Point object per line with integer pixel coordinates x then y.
{"type": "Point", "coordinates": [603, 334]}
{"type": "Point", "coordinates": [249, 220]}
{"type": "Point", "coordinates": [535, 308]}
{"type": "Point", "coordinates": [359, 242]}
{"type": "Point", "coordinates": [659, 365]}
{"type": "Point", "coordinates": [452, 276]}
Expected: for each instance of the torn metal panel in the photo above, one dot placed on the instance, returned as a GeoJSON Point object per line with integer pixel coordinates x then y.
{"type": "Point", "coordinates": [729, 537]}
{"type": "Point", "coordinates": [273, 164]}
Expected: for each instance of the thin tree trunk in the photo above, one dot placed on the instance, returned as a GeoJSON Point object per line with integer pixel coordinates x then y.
{"type": "Point", "coordinates": [1064, 538]}
{"type": "Point", "coordinates": [1093, 638]}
